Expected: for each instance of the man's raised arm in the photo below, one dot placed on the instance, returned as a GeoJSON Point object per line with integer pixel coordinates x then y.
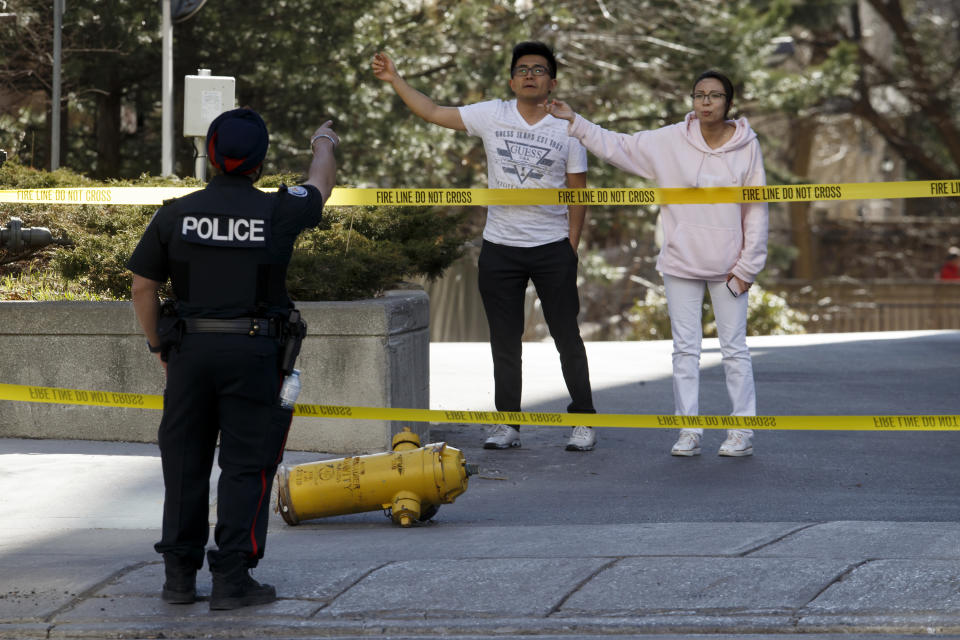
{"type": "Point", "coordinates": [421, 105]}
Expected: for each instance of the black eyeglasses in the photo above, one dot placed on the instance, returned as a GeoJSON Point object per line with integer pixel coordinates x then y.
{"type": "Point", "coordinates": [713, 96]}
{"type": "Point", "coordinates": [537, 70]}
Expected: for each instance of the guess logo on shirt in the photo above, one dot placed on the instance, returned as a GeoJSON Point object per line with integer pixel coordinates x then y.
{"type": "Point", "coordinates": [524, 160]}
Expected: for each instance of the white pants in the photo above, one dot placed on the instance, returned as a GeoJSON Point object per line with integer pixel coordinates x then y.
{"type": "Point", "coordinates": [685, 304]}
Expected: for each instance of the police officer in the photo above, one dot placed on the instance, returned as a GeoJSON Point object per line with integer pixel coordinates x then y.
{"type": "Point", "coordinates": [225, 250]}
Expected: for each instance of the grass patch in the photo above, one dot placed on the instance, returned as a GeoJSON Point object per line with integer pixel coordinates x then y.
{"type": "Point", "coordinates": [44, 285]}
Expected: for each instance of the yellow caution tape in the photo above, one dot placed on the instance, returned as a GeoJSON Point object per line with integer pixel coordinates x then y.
{"type": "Point", "coordinates": [57, 395]}
{"type": "Point", "coordinates": [484, 197]}
{"type": "Point", "coordinates": [95, 195]}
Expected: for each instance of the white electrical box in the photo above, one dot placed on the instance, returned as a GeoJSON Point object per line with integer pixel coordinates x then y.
{"type": "Point", "coordinates": [204, 98]}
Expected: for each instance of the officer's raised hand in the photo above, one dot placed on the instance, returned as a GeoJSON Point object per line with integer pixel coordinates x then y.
{"type": "Point", "coordinates": [324, 132]}
{"type": "Point", "coordinates": [323, 167]}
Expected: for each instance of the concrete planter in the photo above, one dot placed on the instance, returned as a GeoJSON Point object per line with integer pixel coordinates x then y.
{"type": "Point", "coordinates": [364, 353]}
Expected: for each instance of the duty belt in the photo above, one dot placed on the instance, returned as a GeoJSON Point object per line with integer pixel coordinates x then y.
{"type": "Point", "coordinates": [244, 326]}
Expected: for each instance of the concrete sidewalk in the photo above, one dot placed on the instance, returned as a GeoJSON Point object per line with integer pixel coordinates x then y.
{"type": "Point", "coordinates": [761, 578]}
{"type": "Point", "coordinates": [526, 551]}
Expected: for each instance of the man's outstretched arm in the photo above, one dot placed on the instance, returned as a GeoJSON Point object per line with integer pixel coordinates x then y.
{"type": "Point", "coordinates": [421, 105]}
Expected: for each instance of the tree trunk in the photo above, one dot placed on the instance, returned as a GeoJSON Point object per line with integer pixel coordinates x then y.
{"type": "Point", "coordinates": [801, 143]}
{"type": "Point", "coordinates": [108, 130]}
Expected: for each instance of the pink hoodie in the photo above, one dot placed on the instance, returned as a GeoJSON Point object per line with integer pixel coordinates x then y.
{"type": "Point", "coordinates": [700, 241]}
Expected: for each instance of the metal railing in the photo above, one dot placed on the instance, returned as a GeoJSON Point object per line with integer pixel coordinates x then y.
{"type": "Point", "coordinates": [878, 305]}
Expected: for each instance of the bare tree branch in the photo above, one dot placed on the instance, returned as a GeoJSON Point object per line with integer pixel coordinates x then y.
{"type": "Point", "coordinates": [905, 145]}
{"type": "Point", "coordinates": [929, 97]}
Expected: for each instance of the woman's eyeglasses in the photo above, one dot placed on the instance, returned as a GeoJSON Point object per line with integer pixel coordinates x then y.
{"type": "Point", "coordinates": [713, 96]}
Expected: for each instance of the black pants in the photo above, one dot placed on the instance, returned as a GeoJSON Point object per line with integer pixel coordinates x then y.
{"type": "Point", "coordinates": [503, 275]}
{"type": "Point", "coordinates": [224, 385]}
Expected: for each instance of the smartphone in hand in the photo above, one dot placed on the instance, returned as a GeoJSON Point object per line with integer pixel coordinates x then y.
{"type": "Point", "coordinates": [733, 286]}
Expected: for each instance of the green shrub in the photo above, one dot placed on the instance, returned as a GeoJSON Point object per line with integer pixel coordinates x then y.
{"type": "Point", "coordinates": [356, 252]}
{"type": "Point", "coordinates": [767, 314]}
{"type": "Point", "coordinates": [99, 261]}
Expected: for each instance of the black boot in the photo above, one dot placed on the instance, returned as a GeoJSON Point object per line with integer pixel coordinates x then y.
{"type": "Point", "coordinates": [232, 585]}
{"type": "Point", "coordinates": [181, 584]}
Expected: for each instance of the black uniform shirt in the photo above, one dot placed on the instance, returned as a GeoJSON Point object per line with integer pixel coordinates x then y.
{"type": "Point", "coordinates": [226, 248]}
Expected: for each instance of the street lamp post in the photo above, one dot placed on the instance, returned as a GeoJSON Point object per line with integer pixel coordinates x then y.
{"type": "Point", "coordinates": [166, 123]}
{"type": "Point", "coordinates": [59, 6]}
{"type": "Point", "coordinates": [181, 11]}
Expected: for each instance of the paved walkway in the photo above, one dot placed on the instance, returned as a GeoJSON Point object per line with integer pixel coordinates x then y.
{"type": "Point", "coordinates": [77, 521]}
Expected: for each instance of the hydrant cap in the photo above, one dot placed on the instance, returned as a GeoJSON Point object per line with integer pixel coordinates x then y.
{"type": "Point", "coordinates": [406, 436]}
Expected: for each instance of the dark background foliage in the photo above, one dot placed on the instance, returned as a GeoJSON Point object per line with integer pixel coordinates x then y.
{"type": "Point", "coordinates": [356, 252]}
{"type": "Point", "coordinates": [887, 66]}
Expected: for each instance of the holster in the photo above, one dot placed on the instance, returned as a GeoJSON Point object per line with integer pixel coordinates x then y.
{"type": "Point", "coordinates": [292, 333]}
{"type": "Point", "coordinates": [169, 328]}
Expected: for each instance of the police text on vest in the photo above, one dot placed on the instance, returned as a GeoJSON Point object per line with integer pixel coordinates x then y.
{"type": "Point", "coordinates": [224, 230]}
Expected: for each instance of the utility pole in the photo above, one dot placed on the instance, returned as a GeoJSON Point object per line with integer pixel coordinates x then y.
{"type": "Point", "coordinates": [166, 121]}
{"type": "Point", "coordinates": [59, 6]}
{"type": "Point", "coordinates": [173, 11]}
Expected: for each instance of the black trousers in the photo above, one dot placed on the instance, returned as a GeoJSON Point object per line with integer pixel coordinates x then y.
{"type": "Point", "coordinates": [227, 386]}
{"type": "Point", "coordinates": [504, 272]}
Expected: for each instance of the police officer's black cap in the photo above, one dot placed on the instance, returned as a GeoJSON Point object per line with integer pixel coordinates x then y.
{"type": "Point", "coordinates": [237, 141]}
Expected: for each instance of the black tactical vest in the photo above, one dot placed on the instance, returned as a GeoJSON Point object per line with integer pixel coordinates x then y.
{"type": "Point", "coordinates": [220, 251]}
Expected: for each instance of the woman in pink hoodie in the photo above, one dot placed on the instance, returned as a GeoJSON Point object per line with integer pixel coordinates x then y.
{"type": "Point", "coordinates": [720, 247]}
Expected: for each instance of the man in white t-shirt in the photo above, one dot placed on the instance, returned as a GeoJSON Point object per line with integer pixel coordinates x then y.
{"type": "Point", "coordinates": [526, 149]}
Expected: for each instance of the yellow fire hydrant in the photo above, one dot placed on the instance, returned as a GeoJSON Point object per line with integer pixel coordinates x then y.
{"type": "Point", "coordinates": [410, 481]}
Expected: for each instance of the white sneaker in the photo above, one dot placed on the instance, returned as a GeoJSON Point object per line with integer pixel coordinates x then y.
{"type": "Point", "coordinates": [502, 436]}
{"type": "Point", "coordinates": [582, 439]}
{"type": "Point", "coordinates": [736, 445]}
{"type": "Point", "coordinates": [688, 444]}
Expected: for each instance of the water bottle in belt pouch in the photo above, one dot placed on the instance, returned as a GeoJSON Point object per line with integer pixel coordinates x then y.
{"type": "Point", "coordinates": [293, 333]}
{"type": "Point", "coordinates": [290, 389]}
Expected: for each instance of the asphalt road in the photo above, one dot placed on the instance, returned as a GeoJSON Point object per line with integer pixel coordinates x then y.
{"type": "Point", "coordinates": [793, 476]}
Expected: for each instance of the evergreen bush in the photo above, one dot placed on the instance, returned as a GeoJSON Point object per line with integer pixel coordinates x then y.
{"type": "Point", "coordinates": [356, 252]}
